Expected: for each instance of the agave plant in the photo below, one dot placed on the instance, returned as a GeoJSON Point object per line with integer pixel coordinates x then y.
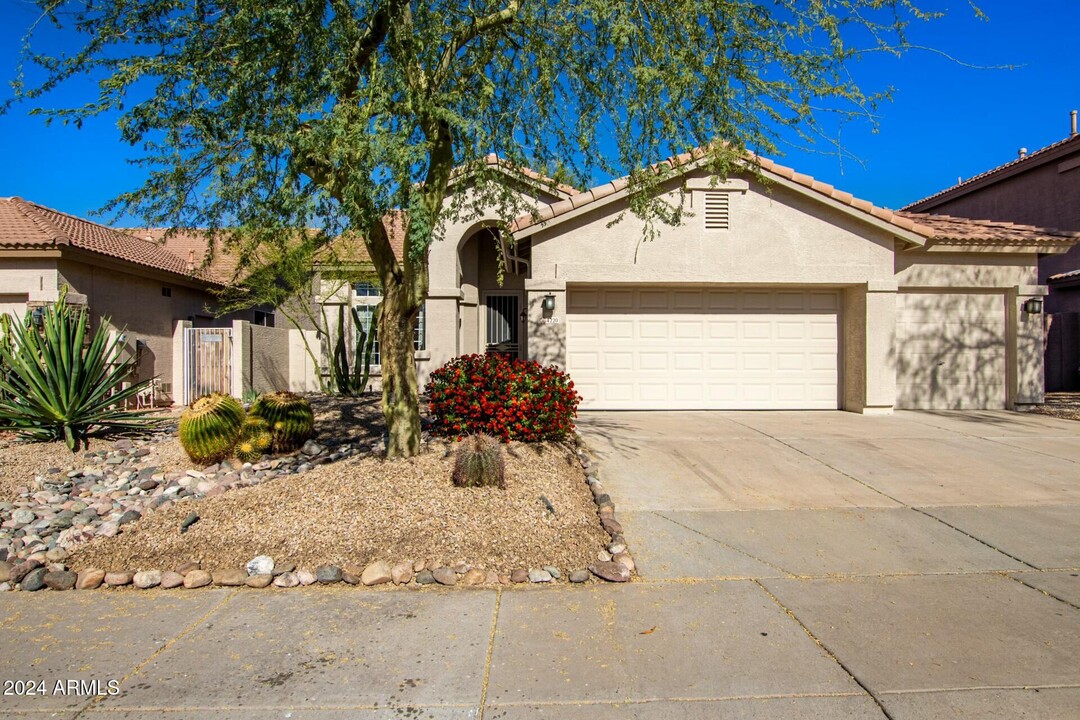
{"type": "Point", "coordinates": [55, 387]}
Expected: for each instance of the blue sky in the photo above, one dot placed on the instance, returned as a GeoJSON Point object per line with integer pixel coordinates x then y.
{"type": "Point", "coordinates": [947, 119]}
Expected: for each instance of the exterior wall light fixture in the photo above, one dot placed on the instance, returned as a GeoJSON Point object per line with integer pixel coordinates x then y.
{"type": "Point", "coordinates": [1033, 306]}
{"type": "Point", "coordinates": [548, 305]}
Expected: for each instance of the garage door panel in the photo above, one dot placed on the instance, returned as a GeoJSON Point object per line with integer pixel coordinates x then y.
{"type": "Point", "coordinates": [950, 350]}
{"type": "Point", "coordinates": [679, 348]}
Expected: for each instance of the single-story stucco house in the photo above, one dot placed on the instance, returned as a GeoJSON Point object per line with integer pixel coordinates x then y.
{"type": "Point", "coordinates": [150, 289]}
{"type": "Point", "coordinates": [778, 292]}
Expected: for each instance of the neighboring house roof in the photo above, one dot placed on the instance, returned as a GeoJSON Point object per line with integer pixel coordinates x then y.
{"type": "Point", "coordinates": [1020, 164]}
{"type": "Point", "coordinates": [193, 248]}
{"type": "Point", "coordinates": [948, 229]}
{"type": "Point", "coordinates": [28, 226]}
{"type": "Point", "coordinates": [1072, 274]}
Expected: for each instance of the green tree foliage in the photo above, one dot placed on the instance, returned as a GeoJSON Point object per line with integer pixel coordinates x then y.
{"type": "Point", "coordinates": [275, 116]}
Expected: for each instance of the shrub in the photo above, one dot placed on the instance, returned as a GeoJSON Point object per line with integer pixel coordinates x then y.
{"type": "Point", "coordinates": [56, 386]}
{"type": "Point", "coordinates": [509, 399]}
{"type": "Point", "coordinates": [289, 416]}
{"type": "Point", "coordinates": [254, 440]}
{"type": "Point", "coordinates": [480, 463]}
{"type": "Point", "coordinates": [210, 428]}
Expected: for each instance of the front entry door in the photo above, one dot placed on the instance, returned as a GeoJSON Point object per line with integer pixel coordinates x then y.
{"type": "Point", "coordinates": [503, 325]}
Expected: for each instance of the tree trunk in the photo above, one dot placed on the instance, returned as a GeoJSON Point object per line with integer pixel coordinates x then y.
{"type": "Point", "coordinates": [401, 395]}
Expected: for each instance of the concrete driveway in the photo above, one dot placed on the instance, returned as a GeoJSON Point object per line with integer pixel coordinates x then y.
{"type": "Point", "coordinates": [794, 566]}
{"type": "Point", "coordinates": [934, 556]}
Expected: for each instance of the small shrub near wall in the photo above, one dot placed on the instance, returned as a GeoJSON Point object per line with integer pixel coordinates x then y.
{"type": "Point", "coordinates": [508, 399]}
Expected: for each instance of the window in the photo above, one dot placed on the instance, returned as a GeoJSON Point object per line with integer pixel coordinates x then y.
{"type": "Point", "coordinates": [261, 317]}
{"type": "Point", "coordinates": [419, 336]}
{"type": "Point", "coordinates": [365, 289]}
{"type": "Point", "coordinates": [166, 292]}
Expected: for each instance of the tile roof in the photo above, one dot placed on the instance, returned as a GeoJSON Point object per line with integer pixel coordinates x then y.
{"type": "Point", "coordinates": [1065, 275]}
{"type": "Point", "coordinates": [27, 225]}
{"type": "Point", "coordinates": [551, 183]}
{"type": "Point", "coordinates": [193, 248]}
{"type": "Point", "coordinates": [686, 159]}
{"type": "Point", "coordinates": [946, 229]}
{"type": "Point", "coordinates": [1029, 159]}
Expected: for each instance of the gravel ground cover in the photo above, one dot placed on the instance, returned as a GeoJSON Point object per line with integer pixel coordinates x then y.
{"type": "Point", "coordinates": [1060, 405]}
{"type": "Point", "coordinates": [362, 510]}
{"type": "Point", "coordinates": [120, 506]}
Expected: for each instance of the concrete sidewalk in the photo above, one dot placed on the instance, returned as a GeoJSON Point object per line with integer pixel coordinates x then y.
{"type": "Point", "coordinates": [845, 570]}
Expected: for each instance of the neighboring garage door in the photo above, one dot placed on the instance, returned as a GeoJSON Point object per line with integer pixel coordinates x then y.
{"type": "Point", "coordinates": [688, 348]}
{"type": "Point", "coordinates": [950, 351]}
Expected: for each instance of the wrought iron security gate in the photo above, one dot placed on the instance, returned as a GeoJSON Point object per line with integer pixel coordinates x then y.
{"type": "Point", "coordinates": [207, 362]}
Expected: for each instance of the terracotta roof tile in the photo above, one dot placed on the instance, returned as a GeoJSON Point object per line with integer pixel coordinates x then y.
{"type": "Point", "coordinates": [493, 159]}
{"type": "Point", "coordinates": [1030, 158]}
{"type": "Point", "coordinates": [945, 228]}
{"type": "Point", "coordinates": [27, 225]}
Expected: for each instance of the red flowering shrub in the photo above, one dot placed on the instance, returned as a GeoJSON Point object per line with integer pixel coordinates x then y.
{"type": "Point", "coordinates": [509, 399]}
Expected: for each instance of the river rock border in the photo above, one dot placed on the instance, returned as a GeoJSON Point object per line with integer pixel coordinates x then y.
{"type": "Point", "coordinates": [39, 528]}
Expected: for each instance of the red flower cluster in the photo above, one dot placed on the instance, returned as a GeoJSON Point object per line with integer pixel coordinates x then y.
{"type": "Point", "coordinates": [509, 399]}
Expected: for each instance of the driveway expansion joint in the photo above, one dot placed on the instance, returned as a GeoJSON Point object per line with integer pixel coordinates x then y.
{"type": "Point", "coordinates": [723, 544]}
{"type": "Point", "coordinates": [490, 652]}
{"type": "Point", "coordinates": [1047, 593]}
{"type": "Point", "coordinates": [826, 650]}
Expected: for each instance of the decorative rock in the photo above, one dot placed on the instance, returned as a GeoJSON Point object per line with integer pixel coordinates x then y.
{"type": "Point", "coordinates": [539, 576]}
{"type": "Point", "coordinates": [519, 576]}
{"type": "Point", "coordinates": [196, 578]}
{"type": "Point", "coordinates": [418, 566]}
{"type": "Point", "coordinates": [20, 571]}
{"type": "Point", "coordinates": [377, 573]}
{"type": "Point", "coordinates": [260, 565]}
{"type": "Point", "coordinates": [119, 578]}
{"type": "Point", "coordinates": [171, 579]}
{"type": "Point", "coordinates": [306, 577]}
{"type": "Point", "coordinates": [146, 579]}
{"type": "Point", "coordinates": [401, 574]}
{"type": "Point", "coordinates": [553, 571]}
{"type": "Point", "coordinates": [610, 571]}
{"type": "Point", "coordinates": [617, 547]}
{"type": "Point", "coordinates": [603, 556]}
{"type": "Point", "coordinates": [22, 516]}
{"type": "Point", "coordinates": [579, 576]}
{"type": "Point", "coordinates": [129, 516]}
{"type": "Point", "coordinates": [231, 577]}
{"type": "Point", "coordinates": [190, 520]}
{"type": "Point", "coordinates": [5, 571]}
{"type": "Point", "coordinates": [259, 581]}
{"type": "Point", "coordinates": [444, 576]}
{"type": "Point", "coordinates": [474, 577]}
{"type": "Point", "coordinates": [286, 580]}
{"type": "Point", "coordinates": [60, 580]}
{"type": "Point", "coordinates": [89, 579]}
{"type": "Point", "coordinates": [425, 577]}
{"type": "Point", "coordinates": [327, 574]}
{"type": "Point", "coordinates": [312, 448]}
{"type": "Point", "coordinates": [280, 568]}
{"type": "Point", "coordinates": [350, 578]}
{"type": "Point", "coordinates": [611, 525]}
{"type": "Point", "coordinates": [625, 560]}
{"type": "Point", "coordinates": [34, 580]}
{"type": "Point", "coordinates": [491, 578]}
{"type": "Point", "coordinates": [56, 555]}
{"type": "Point", "coordinates": [188, 567]}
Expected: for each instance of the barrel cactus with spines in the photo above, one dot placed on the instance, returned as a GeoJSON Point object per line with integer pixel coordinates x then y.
{"type": "Point", "coordinates": [289, 416]}
{"type": "Point", "coordinates": [254, 440]}
{"type": "Point", "coordinates": [210, 428]}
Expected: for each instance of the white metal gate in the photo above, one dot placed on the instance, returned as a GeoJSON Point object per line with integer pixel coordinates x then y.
{"type": "Point", "coordinates": [207, 362]}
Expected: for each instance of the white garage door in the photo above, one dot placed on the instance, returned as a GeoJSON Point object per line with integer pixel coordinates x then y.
{"type": "Point", "coordinates": [950, 351]}
{"type": "Point", "coordinates": [674, 348]}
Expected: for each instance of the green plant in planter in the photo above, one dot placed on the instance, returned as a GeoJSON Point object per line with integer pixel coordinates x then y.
{"type": "Point", "coordinates": [479, 462]}
{"type": "Point", "coordinates": [210, 428]}
{"type": "Point", "coordinates": [55, 385]}
{"type": "Point", "coordinates": [254, 440]}
{"type": "Point", "coordinates": [289, 416]}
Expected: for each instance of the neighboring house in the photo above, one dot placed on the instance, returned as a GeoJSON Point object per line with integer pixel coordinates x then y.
{"type": "Point", "coordinates": [777, 293]}
{"type": "Point", "coordinates": [146, 290]}
{"type": "Point", "coordinates": [1040, 188]}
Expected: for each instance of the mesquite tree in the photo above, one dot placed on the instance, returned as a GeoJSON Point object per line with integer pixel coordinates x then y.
{"type": "Point", "coordinates": [274, 116]}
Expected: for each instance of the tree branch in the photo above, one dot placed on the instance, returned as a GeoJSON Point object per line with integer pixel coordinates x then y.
{"type": "Point", "coordinates": [366, 45]}
{"type": "Point", "coordinates": [467, 34]}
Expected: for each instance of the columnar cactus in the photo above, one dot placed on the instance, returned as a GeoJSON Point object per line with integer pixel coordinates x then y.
{"type": "Point", "coordinates": [254, 440]}
{"type": "Point", "coordinates": [289, 416]}
{"type": "Point", "coordinates": [210, 427]}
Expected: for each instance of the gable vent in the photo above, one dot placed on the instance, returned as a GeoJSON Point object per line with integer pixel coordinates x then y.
{"type": "Point", "coordinates": [716, 211]}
